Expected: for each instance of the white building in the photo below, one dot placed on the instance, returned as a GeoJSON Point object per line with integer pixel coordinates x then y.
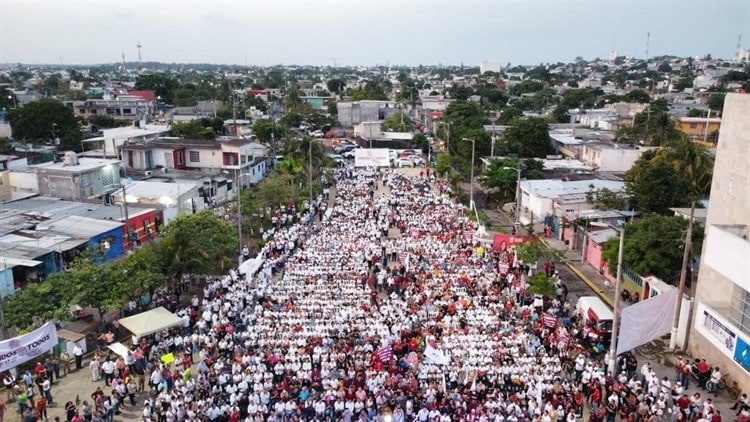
{"type": "Point", "coordinates": [605, 156]}
{"type": "Point", "coordinates": [486, 66]}
{"type": "Point", "coordinates": [538, 197]}
{"type": "Point", "coordinates": [721, 322]}
{"type": "Point", "coordinates": [112, 139]}
{"type": "Point", "coordinates": [174, 199]}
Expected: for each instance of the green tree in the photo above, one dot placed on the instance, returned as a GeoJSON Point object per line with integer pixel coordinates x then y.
{"type": "Point", "coordinates": [501, 174]}
{"type": "Point", "coordinates": [200, 243]}
{"type": "Point", "coordinates": [184, 96]}
{"type": "Point", "coordinates": [693, 162]}
{"type": "Point", "coordinates": [262, 202]}
{"type": "Point", "coordinates": [654, 126]}
{"type": "Point", "coordinates": [193, 129]}
{"type": "Point", "coordinates": [540, 284]}
{"type": "Point", "coordinates": [257, 102]}
{"type": "Point", "coordinates": [716, 102]}
{"type": "Point", "coordinates": [269, 132]}
{"type": "Point", "coordinates": [605, 199]}
{"type": "Point", "coordinates": [6, 147]}
{"type": "Point", "coordinates": [655, 186]}
{"type": "Point", "coordinates": [444, 165]}
{"type": "Point", "coordinates": [336, 85]}
{"type": "Point", "coordinates": [398, 122]}
{"type": "Point", "coordinates": [508, 115]}
{"type": "Point", "coordinates": [526, 138]}
{"type": "Point", "coordinates": [653, 246]}
{"type": "Point", "coordinates": [420, 140]}
{"type": "Point", "coordinates": [45, 119]}
{"type": "Point", "coordinates": [163, 85]}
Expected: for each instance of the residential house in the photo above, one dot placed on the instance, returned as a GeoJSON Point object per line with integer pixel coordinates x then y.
{"type": "Point", "coordinates": [78, 179]}
{"type": "Point", "coordinates": [698, 127]}
{"type": "Point", "coordinates": [352, 113]}
{"type": "Point", "coordinates": [169, 199]}
{"type": "Point", "coordinates": [112, 139]}
{"type": "Point", "coordinates": [610, 156]}
{"type": "Point", "coordinates": [207, 156]}
{"type": "Point", "coordinates": [721, 321]}
{"type": "Point", "coordinates": [547, 200]}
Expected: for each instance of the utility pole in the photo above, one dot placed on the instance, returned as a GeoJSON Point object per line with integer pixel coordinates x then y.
{"type": "Point", "coordinates": [683, 279]}
{"type": "Point", "coordinates": [234, 115]}
{"type": "Point", "coordinates": [518, 197]}
{"type": "Point", "coordinates": [3, 324]}
{"type": "Point", "coordinates": [616, 319]}
{"type": "Point", "coordinates": [127, 217]}
{"type": "Point", "coordinates": [309, 177]}
{"type": "Point", "coordinates": [705, 132]}
{"type": "Point", "coordinates": [239, 215]}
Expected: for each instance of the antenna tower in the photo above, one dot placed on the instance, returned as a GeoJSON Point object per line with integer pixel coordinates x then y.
{"type": "Point", "coordinates": [648, 42]}
{"type": "Point", "coordinates": [140, 61]}
{"type": "Point", "coordinates": [739, 48]}
{"type": "Point", "coordinates": [122, 69]}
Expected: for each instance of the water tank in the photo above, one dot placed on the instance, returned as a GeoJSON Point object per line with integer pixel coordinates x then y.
{"type": "Point", "coordinates": [70, 159]}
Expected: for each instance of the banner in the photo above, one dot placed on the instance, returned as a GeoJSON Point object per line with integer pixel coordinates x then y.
{"type": "Point", "coordinates": [503, 242]}
{"type": "Point", "coordinates": [24, 348]}
{"type": "Point", "coordinates": [647, 320]}
{"type": "Point", "coordinates": [433, 355]}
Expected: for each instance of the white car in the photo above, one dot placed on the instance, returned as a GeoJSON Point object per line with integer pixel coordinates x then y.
{"type": "Point", "coordinates": [348, 154]}
{"type": "Point", "coordinates": [405, 162]}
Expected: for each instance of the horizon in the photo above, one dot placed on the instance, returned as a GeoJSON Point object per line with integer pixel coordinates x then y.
{"type": "Point", "coordinates": [365, 33]}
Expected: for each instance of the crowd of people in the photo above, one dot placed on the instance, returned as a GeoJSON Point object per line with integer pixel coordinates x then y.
{"type": "Point", "coordinates": [346, 320]}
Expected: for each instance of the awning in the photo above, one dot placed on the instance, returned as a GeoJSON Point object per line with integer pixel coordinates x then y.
{"type": "Point", "coordinates": [119, 349]}
{"type": "Point", "coordinates": [150, 322]}
{"type": "Point", "coordinates": [69, 335]}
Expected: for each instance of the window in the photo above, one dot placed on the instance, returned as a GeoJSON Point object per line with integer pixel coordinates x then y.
{"type": "Point", "coordinates": [82, 111]}
{"type": "Point", "coordinates": [127, 111]}
{"type": "Point", "coordinates": [739, 309]}
{"type": "Point", "coordinates": [693, 125]}
{"type": "Point", "coordinates": [179, 158]}
{"type": "Point", "coordinates": [194, 156]}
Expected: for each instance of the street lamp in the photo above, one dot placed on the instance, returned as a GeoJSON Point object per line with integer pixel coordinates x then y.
{"type": "Point", "coordinates": [12, 97]}
{"type": "Point", "coordinates": [518, 194]}
{"type": "Point", "coordinates": [471, 177]}
{"type": "Point", "coordinates": [618, 290]}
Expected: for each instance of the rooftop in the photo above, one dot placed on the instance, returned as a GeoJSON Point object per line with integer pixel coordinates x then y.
{"type": "Point", "coordinates": [84, 164]}
{"type": "Point", "coordinates": [556, 188]}
{"type": "Point", "coordinates": [148, 189]}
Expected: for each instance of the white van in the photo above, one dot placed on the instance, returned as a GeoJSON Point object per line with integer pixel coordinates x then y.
{"type": "Point", "coordinates": [593, 309]}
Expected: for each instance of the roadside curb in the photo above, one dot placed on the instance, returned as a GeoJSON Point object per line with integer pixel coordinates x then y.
{"type": "Point", "coordinates": [598, 291]}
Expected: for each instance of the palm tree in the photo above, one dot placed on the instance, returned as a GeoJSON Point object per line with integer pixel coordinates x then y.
{"type": "Point", "coordinates": [290, 166]}
{"type": "Point", "coordinates": [693, 161]}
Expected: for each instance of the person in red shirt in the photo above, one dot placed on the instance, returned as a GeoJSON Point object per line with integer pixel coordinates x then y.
{"type": "Point", "coordinates": [40, 369]}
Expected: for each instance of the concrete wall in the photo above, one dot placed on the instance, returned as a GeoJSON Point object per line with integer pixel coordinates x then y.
{"type": "Point", "coordinates": [713, 335]}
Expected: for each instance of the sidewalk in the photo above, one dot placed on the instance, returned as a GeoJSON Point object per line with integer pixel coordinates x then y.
{"type": "Point", "coordinates": [572, 259]}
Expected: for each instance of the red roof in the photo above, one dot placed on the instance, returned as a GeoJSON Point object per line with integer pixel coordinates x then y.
{"type": "Point", "coordinates": [146, 95]}
{"type": "Point", "coordinates": [256, 92]}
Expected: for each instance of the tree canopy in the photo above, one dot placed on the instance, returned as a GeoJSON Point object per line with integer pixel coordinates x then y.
{"type": "Point", "coordinates": [654, 246]}
{"type": "Point", "coordinates": [45, 119]}
{"type": "Point", "coordinates": [528, 138]}
{"type": "Point", "coordinates": [398, 122]}
{"type": "Point", "coordinates": [163, 85]}
{"type": "Point", "coordinates": [655, 186]}
{"type": "Point", "coordinates": [194, 129]}
{"type": "Point", "coordinates": [501, 174]}
{"type": "Point", "coordinates": [198, 244]}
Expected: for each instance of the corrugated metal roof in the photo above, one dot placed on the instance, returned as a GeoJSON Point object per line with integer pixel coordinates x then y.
{"type": "Point", "coordinates": [83, 226]}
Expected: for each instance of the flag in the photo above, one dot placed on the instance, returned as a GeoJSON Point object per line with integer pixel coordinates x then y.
{"type": "Point", "coordinates": [403, 257]}
{"type": "Point", "coordinates": [469, 233]}
{"type": "Point", "coordinates": [435, 356]}
{"type": "Point", "coordinates": [385, 354]}
{"type": "Point", "coordinates": [549, 320]}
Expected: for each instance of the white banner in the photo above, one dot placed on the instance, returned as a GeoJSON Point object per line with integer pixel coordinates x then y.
{"type": "Point", "coordinates": [646, 321]}
{"type": "Point", "coordinates": [24, 348]}
{"type": "Point", "coordinates": [372, 157]}
{"type": "Point", "coordinates": [433, 355]}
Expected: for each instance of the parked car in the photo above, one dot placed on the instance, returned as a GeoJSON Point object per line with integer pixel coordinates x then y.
{"type": "Point", "coordinates": [405, 161]}
{"type": "Point", "coordinates": [348, 153]}
{"type": "Point", "coordinates": [344, 148]}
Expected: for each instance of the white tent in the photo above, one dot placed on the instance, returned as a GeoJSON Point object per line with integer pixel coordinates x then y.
{"type": "Point", "coordinates": [119, 349]}
{"type": "Point", "coordinates": [150, 322]}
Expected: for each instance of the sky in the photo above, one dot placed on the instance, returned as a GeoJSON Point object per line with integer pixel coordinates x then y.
{"type": "Point", "coordinates": [366, 32]}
